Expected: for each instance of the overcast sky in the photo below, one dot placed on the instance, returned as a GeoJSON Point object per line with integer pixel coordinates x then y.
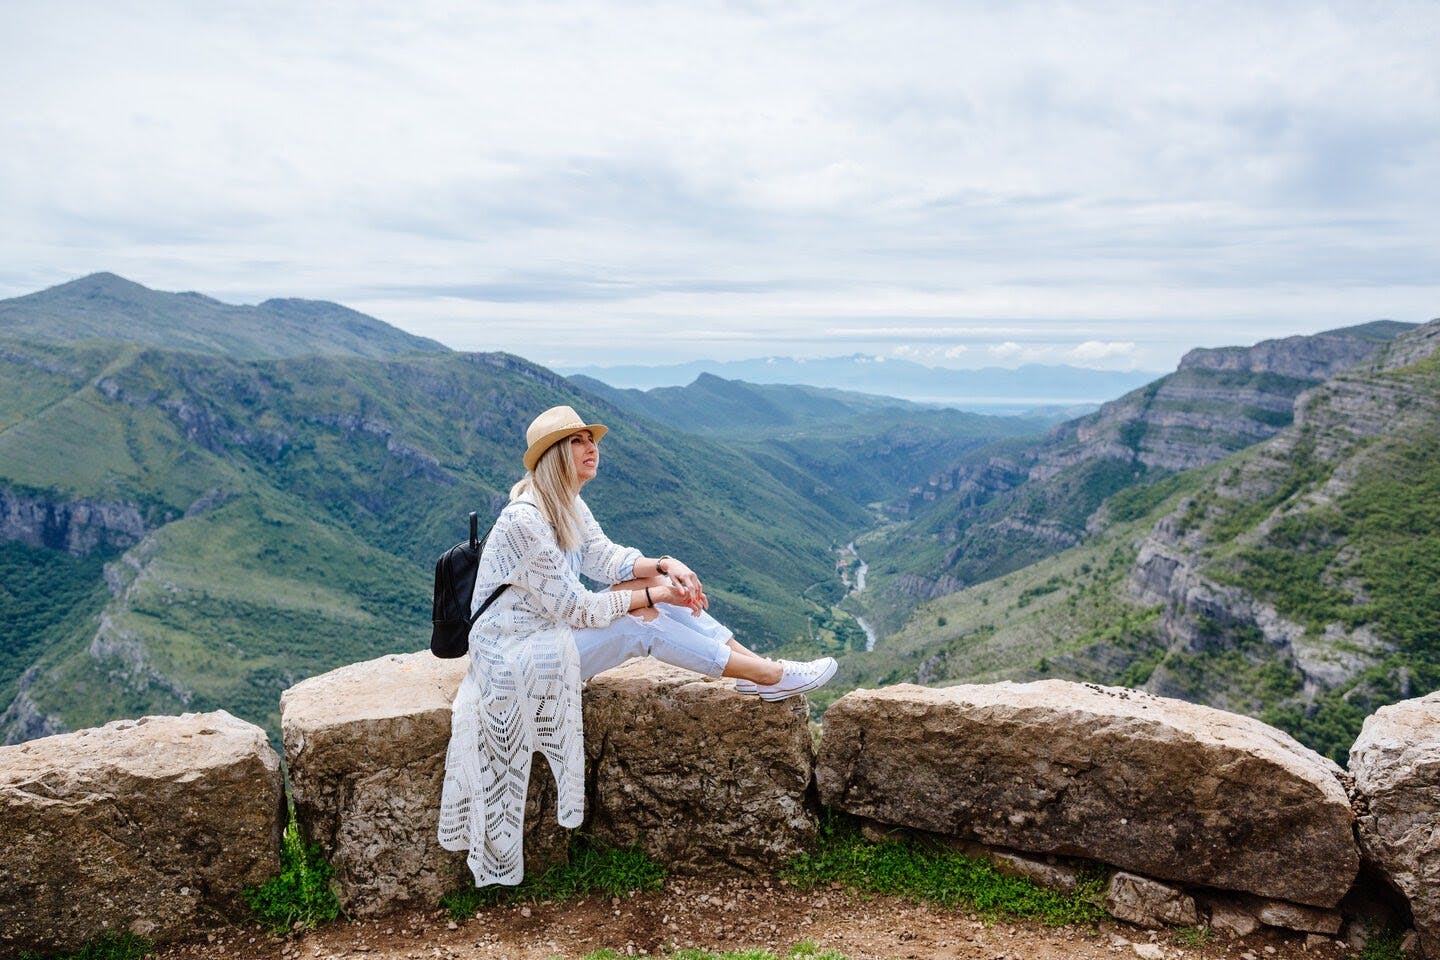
{"type": "Point", "coordinates": [961, 183]}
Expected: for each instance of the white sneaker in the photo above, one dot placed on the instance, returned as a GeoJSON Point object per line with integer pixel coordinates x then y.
{"type": "Point", "coordinates": [747, 687]}
{"type": "Point", "coordinates": [796, 678]}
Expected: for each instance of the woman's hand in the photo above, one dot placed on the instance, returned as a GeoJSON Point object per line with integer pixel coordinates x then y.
{"type": "Point", "coordinates": [681, 596]}
{"type": "Point", "coordinates": [680, 574]}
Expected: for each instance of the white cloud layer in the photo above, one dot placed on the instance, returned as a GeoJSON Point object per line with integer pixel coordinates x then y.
{"type": "Point", "coordinates": [583, 182]}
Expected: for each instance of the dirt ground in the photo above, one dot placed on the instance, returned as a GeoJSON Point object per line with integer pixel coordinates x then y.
{"type": "Point", "coordinates": [734, 915]}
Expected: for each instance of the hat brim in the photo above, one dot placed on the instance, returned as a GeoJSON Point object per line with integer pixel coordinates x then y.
{"type": "Point", "coordinates": [545, 442]}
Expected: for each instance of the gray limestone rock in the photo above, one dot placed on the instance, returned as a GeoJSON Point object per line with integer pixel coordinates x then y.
{"type": "Point", "coordinates": [1293, 916]}
{"type": "Point", "coordinates": [1149, 903]}
{"type": "Point", "coordinates": [1396, 765]}
{"type": "Point", "coordinates": [1160, 787]}
{"type": "Point", "coordinates": [1230, 915]}
{"type": "Point", "coordinates": [701, 777]}
{"type": "Point", "coordinates": [153, 825]}
{"type": "Point", "coordinates": [365, 745]}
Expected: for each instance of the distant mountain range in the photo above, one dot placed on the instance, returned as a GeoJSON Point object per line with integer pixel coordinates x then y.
{"type": "Point", "coordinates": [994, 390]}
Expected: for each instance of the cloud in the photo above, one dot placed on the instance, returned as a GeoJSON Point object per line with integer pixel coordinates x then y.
{"type": "Point", "coordinates": [949, 178]}
{"type": "Point", "coordinates": [1095, 352]}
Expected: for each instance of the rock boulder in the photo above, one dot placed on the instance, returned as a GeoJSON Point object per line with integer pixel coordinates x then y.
{"type": "Point", "coordinates": [153, 825]}
{"type": "Point", "coordinates": [701, 777]}
{"type": "Point", "coordinates": [1159, 787]}
{"type": "Point", "coordinates": [365, 745]}
{"type": "Point", "coordinates": [1396, 765]}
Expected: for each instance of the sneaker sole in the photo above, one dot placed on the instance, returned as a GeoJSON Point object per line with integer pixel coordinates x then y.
{"type": "Point", "coordinates": [816, 684]}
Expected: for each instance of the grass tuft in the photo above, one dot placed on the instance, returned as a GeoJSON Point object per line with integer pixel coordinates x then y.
{"type": "Point", "coordinates": [1193, 936]}
{"type": "Point", "coordinates": [300, 894]}
{"type": "Point", "coordinates": [593, 868]}
{"type": "Point", "coordinates": [1386, 946]}
{"type": "Point", "coordinates": [923, 871]}
{"type": "Point", "coordinates": [107, 946]}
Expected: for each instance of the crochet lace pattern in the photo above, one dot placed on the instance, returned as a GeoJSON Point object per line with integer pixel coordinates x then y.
{"type": "Point", "coordinates": [521, 693]}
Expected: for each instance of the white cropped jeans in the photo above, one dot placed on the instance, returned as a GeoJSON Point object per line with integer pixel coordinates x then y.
{"type": "Point", "coordinates": [675, 636]}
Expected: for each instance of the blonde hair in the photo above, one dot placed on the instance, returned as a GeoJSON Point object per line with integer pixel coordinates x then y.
{"type": "Point", "coordinates": [554, 486]}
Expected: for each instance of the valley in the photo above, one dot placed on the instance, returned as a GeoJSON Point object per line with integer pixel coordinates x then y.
{"type": "Point", "coordinates": [190, 521]}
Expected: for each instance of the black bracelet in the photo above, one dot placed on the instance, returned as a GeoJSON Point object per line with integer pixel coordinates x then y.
{"type": "Point", "coordinates": [648, 601]}
{"type": "Point", "coordinates": [659, 569]}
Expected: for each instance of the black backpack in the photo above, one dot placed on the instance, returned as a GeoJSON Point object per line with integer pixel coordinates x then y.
{"type": "Point", "coordinates": [454, 587]}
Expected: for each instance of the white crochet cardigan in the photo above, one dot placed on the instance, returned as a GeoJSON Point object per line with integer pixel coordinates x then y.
{"type": "Point", "coordinates": [521, 694]}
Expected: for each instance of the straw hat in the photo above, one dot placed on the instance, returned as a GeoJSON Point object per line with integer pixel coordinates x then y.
{"type": "Point", "coordinates": [554, 424]}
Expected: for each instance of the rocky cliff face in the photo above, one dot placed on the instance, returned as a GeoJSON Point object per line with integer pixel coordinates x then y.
{"type": "Point", "coordinates": [1277, 561]}
{"type": "Point", "coordinates": [997, 512]}
{"type": "Point", "coordinates": [79, 527]}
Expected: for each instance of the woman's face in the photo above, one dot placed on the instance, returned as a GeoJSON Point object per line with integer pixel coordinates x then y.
{"type": "Point", "coordinates": [586, 453]}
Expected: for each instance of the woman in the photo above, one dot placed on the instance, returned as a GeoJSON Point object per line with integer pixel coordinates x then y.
{"type": "Point", "coordinates": [536, 643]}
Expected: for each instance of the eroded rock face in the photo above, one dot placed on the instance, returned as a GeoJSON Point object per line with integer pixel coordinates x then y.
{"type": "Point", "coordinates": [1160, 787]}
{"type": "Point", "coordinates": [703, 778]}
{"type": "Point", "coordinates": [1396, 765]}
{"type": "Point", "coordinates": [366, 745]}
{"type": "Point", "coordinates": [155, 825]}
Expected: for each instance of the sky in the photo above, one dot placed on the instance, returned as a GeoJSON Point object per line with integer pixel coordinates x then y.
{"type": "Point", "coordinates": [962, 184]}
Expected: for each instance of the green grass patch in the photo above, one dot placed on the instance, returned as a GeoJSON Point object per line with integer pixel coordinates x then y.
{"type": "Point", "coordinates": [592, 868]}
{"type": "Point", "coordinates": [1193, 936]}
{"type": "Point", "coordinates": [107, 946]}
{"type": "Point", "coordinates": [300, 893]}
{"type": "Point", "coordinates": [1386, 946]}
{"type": "Point", "coordinates": [925, 871]}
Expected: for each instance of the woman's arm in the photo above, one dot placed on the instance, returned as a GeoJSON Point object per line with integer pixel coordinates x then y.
{"type": "Point", "coordinates": [540, 568]}
{"type": "Point", "coordinates": [600, 559]}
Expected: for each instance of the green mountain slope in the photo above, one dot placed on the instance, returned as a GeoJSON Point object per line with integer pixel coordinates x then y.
{"type": "Point", "coordinates": [848, 450]}
{"type": "Point", "coordinates": [102, 306]}
{"type": "Point", "coordinates": [266, 519]}
{"type": "Point", "coordinates": [1009, 505]}
{"type": "Point", "coordinates": [1295, 581]}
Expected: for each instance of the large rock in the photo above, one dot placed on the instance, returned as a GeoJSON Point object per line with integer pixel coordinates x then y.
{"type": "Point", "coordinates": [1160, 787]}
{"type": "Point", "coordinates": [701, 777]}
{"type": "Point", "coordinates": [365, 745]}
{"type": "Point", "coordinates": [153, 825]}
{"type": "Point", "coordinates": [1396, 765]}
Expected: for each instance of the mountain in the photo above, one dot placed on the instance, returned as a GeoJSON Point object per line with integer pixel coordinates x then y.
{"type": "Point", "coordinates": [1010, 504]}
{"type": "Point", "coordinates": [103, 306]}
{"type": "Point", "coordinates": [1297, 580]}
{"type": "Point", "coordinates": [995, 390]}
{"type": "Point", "coordinates": [712, 404]}
{"type": "Point", "coordinates": [848, 451]}
{"type": "Point", "coordinates": [192, 531]}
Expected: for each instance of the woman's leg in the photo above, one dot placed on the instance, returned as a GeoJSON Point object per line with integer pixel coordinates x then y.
{"type": "Point", "coordinates": [680, 637]}
{"type": "Point", "coordinates": [675, 634]}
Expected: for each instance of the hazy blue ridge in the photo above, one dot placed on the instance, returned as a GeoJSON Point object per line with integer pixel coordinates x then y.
{"type": "Point", "coordinates": [1032, 385]}
{"type": "Point", "coordinates": [103, 306]}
